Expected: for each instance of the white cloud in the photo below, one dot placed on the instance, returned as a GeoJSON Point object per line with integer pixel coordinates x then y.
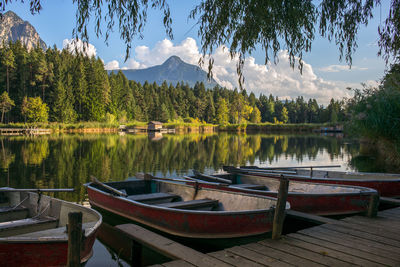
{"type": "Point", "coordinates": [74, 45]}
{"type": "Point", "coordinates": [279, 80]}
{"type": "Point", "coordinates": [338, 68]}
{"type": "Point", "coordinates": [112, 65]}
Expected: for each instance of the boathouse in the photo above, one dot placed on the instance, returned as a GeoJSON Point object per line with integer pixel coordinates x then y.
{"type": "Point", "coordinates": [154, 126]}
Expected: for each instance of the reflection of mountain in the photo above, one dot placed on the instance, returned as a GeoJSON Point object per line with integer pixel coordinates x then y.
{"type": "Point", "coordinates": [173, 70]}
{"type": "Point", "coordinates": [69, 160]}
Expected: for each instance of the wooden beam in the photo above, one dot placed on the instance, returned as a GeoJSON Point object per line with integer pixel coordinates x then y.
{"type": "Point", "coordinates": [279, 215]}
{"type": "Point", "coordinates": [373, 206]}
{"type": "Point", "coordinates": [167, 247]}
{"type": "Point", "coordinates": [74, 239]}
{"type": "Point", "coordinates": [388, 200]}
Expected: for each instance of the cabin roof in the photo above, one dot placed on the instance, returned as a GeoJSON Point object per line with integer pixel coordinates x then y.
{"type": "Point", "coordinates": [155, 122]}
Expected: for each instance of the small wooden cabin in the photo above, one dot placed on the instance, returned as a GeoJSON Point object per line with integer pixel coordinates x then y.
{"type": "Point", "coordinates": [154, 126]}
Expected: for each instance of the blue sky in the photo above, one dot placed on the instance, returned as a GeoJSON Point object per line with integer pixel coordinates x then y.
{"type": "Point", "coordinates": [324, 76]}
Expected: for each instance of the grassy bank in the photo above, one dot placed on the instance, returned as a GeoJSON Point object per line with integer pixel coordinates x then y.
{"type": "Point", "coordinates": [271, 127]}
{"type": "Point", "coordinates": [178, 126]}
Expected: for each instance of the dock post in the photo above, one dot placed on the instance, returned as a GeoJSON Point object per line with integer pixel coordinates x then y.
{"type": "Point", "coordinates": [136, 254]}
{"type": "Point", "coordinates": [373, 206]}
{"type": "Point", "coordinates": [74, 239]}
{"type": "Point", "coordinates": [279, 215]}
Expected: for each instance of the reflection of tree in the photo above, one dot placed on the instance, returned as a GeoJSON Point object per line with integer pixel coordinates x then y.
{"type": "Point", "coordinates": [68, 160]}
{"type": "Point", "coordinates": [35, 151]}
{"type": "Point", "coordinates": [6, 157]}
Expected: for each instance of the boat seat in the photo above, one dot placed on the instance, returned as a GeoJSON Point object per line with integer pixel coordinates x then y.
{"type": "Point", "coordinates": [154, 198]}
{"type": "Point", "coordinates": [198, 204]}
{"type": "Point", "coordinates": [251, 186]}
{"type": "Point", "coordinates": [11, 214]}
{"type": "Point", "coordinates": [28, 225]}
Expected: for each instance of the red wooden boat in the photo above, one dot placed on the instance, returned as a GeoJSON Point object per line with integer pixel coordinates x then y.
{"type": "Point", "coordinates": [33, 229]}
{"type": "Point", "coordinates": [318, 199]}
{"type": "Point", "coordinates": [387, 185]}
{"type": "Point", "coordinates": [183, 210]}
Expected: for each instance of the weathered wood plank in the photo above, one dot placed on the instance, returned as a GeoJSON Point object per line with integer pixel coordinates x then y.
{"type": "Point", "coordinates": [359, 243]}
{"type": "Point", "coordinates": [282, 258]}
{"type": "Point", "coordinates": [389, 200]}
{"type": "Point", "coordinates": [257, 257]}
{"type": "Point", "coordinates": [303, 253]}
{"type": "Point", "coordinates": [178, 263]}
{"type": "Point", "coordinates": [329, 252]}
{"type": "Point", "coordinates": [374, 222]}
{"type": "Point", "coordinates": [362, 234]}
{"type": "Point", "coordinates": [309, 217]}
{"type": "Point", "coordinates": [369, 257]}
{"type": "Point", "coordinates": [167, 247]}
{"type": "Point", "coordinates": [233, 259]}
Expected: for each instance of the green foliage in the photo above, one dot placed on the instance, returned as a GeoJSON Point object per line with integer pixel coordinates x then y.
{"type": "Point", "coordinates": [375, 111]}
{"type": "Point", "coordinates": [76, 88]}
{"type": "Point", "coordinates": [6, 103]}
{"type": "Point", "coordinates": [34, 109]}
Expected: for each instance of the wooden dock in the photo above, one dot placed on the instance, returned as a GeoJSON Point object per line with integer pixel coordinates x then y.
{"type": "Point", "coordinates": [24, 131]}
{"type": "Point", "coordinates": [353, 241]}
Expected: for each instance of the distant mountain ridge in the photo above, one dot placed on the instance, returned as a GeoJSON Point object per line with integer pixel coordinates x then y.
{"type": "Point", "coordinates": [13, 28]}
{"type": "Point", "coordinates": [173, 70]}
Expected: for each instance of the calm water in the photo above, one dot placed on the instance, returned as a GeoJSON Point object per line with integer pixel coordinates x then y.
{"type": "Point", "coordinates": [66, 161]}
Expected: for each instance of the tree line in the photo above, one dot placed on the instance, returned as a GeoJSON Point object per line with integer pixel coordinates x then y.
{"type": "Point", "coordinates": [62, 86]}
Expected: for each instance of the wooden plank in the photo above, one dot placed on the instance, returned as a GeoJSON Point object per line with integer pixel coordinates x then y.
{"type": "Point", "coordinates": [389, 200]}
{"type": "Point", "coordinates": [309, 217]}
{"type": "Point", "coordinates": [191, 204]}
{"type": "Point", "coordinates": [278, 252]}
{"type": "Point", "coordinates": [257, 257]}
{"type": "Point", "coordinates": [376, 222]}
{"type": "Point", "coordinates": [167, 247]}
{"type": "Point", "coordinates": [178, 263]}
{"type": "Point", "coordinates": [354, 242]}
{"type": "Point", "coordinates": [329, 252]}
{"type": "Point", "coordinates": [367, 229]}
{"type": "Point", "coordinates": [351, 250]}
{"type": "Point", "coordinates": [233, 259]}
{"type": "Point", "coordinates": [362, 234]}
{"type": "Point", "coordinates": [303, 254]}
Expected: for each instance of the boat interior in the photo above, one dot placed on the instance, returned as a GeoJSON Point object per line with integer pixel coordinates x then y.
{"type": "Point", "coordinates": [346, 175]}
{"type": "Point", "coordinates": [27, 215]}
{"type": "Point", "coordinates": [181, 196]}
{"type": "Point", "coordinates": [266, 184]}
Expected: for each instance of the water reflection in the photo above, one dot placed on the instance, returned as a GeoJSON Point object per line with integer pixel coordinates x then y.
{"type": "Point", "coordinates": [66, 161]}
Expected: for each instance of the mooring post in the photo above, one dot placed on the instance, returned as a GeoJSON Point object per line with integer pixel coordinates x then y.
{"type": "Point", "coordinates": [373, 206]}
{"type": "Point", "coordinates": [74, 239]}
{"type": "Point", "coordinates": [136, 254]}
{"type": "Point", "coordinates": [279, 215]}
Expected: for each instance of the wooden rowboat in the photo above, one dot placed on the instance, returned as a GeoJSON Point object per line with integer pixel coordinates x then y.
{"type": "Point", "coordinates": [387, 184]}
{"type": "Point", "coordinates": [184, 210]}
{"type": "Point", "coordinates": [318, 199]}
{"type": "Point", "coordinates": [33, 229]}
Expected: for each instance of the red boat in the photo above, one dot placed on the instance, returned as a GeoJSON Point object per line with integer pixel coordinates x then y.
{"type": "Point", "coordinates": [33, 229]}
{"type": "Point", "coordinates": [387, 185]}
{"type": "Point", "coordinates": [318, 199]}
{"type": "Point", "coordinates": [183, 210]}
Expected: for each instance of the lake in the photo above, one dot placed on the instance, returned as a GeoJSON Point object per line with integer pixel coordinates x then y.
{"type": "Point", "coordinates": [67, 161]}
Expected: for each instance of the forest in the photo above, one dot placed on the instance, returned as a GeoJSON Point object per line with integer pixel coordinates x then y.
{"type": "Point", "coordinates": [67, 87]}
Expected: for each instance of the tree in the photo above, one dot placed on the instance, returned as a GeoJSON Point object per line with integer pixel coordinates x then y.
{"type": "Point", "coordinates": [255, 115]}
{"type": "Point", "coordinates": [222, 112]}
{"type": "Point", "coordinates": [8, 61]}
{"type": "Point", "coordinates": [284, 115]}
{"type": "Point", "coordinates": [243, 25]}
{"type": "Point", "coordinates": [34, 109]}
{"type": "Point", "coordinates": [6, 103]}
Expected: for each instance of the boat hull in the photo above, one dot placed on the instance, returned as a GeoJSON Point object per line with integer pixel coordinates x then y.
{"type": "Point", "coordinates": [332, 202]}
{"type": "Point", "coordinates": [188, 224]}
{"type": "Point", "coordinates": [387, 185]}
{"type": "Point", "coordinates": [42, 253]}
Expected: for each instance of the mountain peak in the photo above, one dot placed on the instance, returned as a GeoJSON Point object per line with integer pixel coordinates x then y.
{"type": "Point", "coordinates": [173, 70]}
{"type": "Point", "coordinates": [13, 28]}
